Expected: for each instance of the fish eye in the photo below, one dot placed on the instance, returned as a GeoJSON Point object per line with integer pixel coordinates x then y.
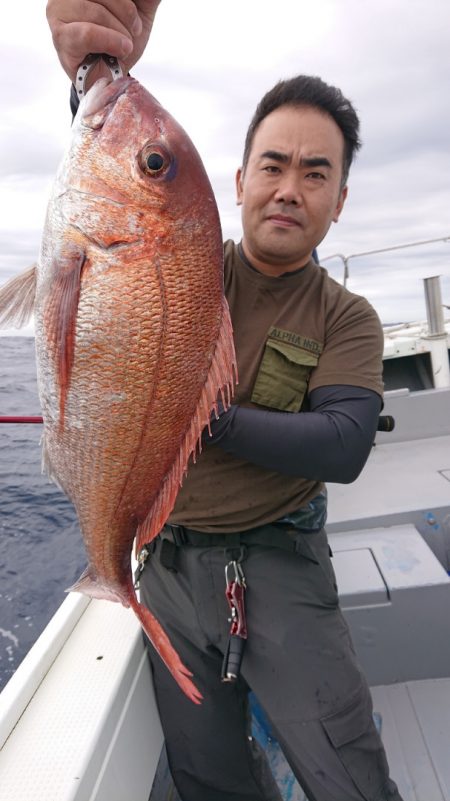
{"type": "Point", "coordinates": [155, 160]}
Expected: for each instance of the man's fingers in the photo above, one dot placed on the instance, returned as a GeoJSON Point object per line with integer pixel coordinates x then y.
{"type": "Point", "coordinates": [120, 28]}
{"type": "Point", "coordinates": [80, 27]}
{"type": "Point", "coordinates": [119, 15]}
{"type": "Point", "coordinates": [74, 40]}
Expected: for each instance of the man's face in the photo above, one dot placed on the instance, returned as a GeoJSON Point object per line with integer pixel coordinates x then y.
{"type": "Point", "coordinates": [291, 189]}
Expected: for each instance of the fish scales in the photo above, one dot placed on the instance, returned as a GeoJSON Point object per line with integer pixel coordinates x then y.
{"type": "Point", "coordinates": [133, 336]}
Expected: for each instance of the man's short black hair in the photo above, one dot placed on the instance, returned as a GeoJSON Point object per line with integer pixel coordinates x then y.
{"type": "Point", "coordinates": [307, 90]}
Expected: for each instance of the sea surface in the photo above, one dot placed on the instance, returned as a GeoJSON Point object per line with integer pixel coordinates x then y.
{"type": "Point", "coordinates": [41, 550]}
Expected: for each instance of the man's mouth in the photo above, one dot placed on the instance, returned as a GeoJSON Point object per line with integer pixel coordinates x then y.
{"type": "Point", "coordinates": [284, 220]}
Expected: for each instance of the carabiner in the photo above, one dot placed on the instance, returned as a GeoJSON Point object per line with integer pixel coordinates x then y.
{"type": "Point", "coordinates": [238, 577]}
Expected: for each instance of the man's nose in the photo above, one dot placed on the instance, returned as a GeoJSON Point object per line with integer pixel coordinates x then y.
{"type": "Point", "coordinates": [288, 190]}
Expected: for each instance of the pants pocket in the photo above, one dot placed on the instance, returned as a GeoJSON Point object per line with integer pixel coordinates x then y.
{"type": "Point", "coordinates": [355, 739]}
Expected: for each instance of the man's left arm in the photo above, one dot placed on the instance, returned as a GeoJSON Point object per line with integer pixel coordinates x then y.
{"type": "Point", "coordinates": [329, 443]}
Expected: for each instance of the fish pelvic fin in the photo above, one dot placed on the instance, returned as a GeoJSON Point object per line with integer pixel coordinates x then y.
{"type": "Point", "coordinates": [17, 299]}
{"type": "Point", "coordinates": [165, 649]}
{"type": "Point", "coordinates": [60, 317]}
{"type": "Point", "coordinates": [46, 462]}
{"type": "Point", "coordinates": [220, 383]}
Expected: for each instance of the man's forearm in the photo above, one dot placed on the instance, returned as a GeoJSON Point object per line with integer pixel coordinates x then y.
{"type": "Point", "coordinates": [329, 443]}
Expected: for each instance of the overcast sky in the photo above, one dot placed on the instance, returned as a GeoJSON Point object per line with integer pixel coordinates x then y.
{"type": "Point", "coordinates": [209, 63]}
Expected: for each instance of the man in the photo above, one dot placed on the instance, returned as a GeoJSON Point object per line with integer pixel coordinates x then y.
{"type": "Point", "coordinates": [254, 504]}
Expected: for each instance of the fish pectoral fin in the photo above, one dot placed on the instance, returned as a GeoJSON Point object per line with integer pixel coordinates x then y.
{"type": "Point", "coordinates": [17, 299]}
{"type": "Point", "coordinates": [60, 316]}
{"type": "Point", "coordinates": [89, 584]}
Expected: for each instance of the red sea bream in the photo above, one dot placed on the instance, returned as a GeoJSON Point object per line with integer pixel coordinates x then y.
{"type": "Point", "coordinates": [133, 334]}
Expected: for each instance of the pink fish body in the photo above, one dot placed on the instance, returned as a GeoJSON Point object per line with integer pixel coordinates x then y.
{"type": "Point", "coordinates": [133, 335]}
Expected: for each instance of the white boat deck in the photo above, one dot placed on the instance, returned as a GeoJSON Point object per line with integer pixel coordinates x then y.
{"type": "Point", "coordinates": [415, 727]}
{"type": "Point", "coordinates": [90, 729]}
{"type": "Point", "coordinates": [396, 478]}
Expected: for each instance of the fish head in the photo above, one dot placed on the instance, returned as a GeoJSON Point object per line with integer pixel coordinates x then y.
{"type": "Point", "coordinates": [138, 154]}
{"type": "Point", "coordinates": [131, 197]}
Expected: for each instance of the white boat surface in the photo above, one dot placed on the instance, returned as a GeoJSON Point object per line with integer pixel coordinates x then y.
{"type": "Point", "coordinates": [78, 719]}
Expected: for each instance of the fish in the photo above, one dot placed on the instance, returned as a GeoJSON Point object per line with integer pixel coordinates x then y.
{"type": "Point", "coordinates": [134, 341]}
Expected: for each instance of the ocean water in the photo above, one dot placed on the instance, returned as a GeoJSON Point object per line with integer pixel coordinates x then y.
{"type": "Point", "coordinates": [41, 550]}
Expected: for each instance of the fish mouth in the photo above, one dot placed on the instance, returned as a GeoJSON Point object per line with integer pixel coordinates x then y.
{"type": "Point", "coordinates": [100, 100]}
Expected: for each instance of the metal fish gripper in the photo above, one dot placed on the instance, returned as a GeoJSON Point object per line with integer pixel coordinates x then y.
{"type": "Point", "coordinates": [89, 62]}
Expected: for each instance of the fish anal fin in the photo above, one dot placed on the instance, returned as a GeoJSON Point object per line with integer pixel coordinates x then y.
{"type": "Point", "coordinates": [17, 299]}
{"type": "Point", "coordinates": [60, 316]}
{"type": "Point", "coordinates": [221, 380]}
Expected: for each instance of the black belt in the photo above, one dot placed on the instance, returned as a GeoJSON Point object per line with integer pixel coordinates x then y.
{"type": "Point", "coordinates": [235, 545]}
{"type": "Point", "coordinates": [271, 535]}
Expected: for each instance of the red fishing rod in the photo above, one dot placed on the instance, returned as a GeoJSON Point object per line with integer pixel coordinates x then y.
{"type": "Point", "coordinates": [385, 422]}
{"type": "Point", "coordinates": [21, 420]}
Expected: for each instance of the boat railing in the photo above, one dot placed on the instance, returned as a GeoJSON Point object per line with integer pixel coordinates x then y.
{"type": "Point", "coordinates": [346, 259]}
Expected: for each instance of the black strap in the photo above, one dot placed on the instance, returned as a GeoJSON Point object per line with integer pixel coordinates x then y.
{"type": "Point", "coordinates": [168, 555]}
{"type": "Point", "coordinates": [271, 536]}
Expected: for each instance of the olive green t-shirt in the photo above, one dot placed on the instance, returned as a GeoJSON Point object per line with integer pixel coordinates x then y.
{"type": "Point", "coordinates": [292, 334]}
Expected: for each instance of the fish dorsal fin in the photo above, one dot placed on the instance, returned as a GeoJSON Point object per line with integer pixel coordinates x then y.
{"type": "Point", "coordinates": [17, 299]}
{"type": "Point", "coordinates": [220, 382]}
{"type": "Point", "coordinates": [60, 316]}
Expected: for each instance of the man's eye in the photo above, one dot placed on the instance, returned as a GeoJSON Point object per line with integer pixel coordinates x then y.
{"type": "Point", "coordinates": [316, 176]}
{"type": "Point", "coordinates": [271, 168]}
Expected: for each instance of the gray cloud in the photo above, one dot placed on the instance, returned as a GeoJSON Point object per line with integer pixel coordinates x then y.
{"type": "Point", "coordinates": [34, 153]}
{"type": "Point", "coordinates": [391, 58]}
{"type": "Point", "coordinates": [18, 251]}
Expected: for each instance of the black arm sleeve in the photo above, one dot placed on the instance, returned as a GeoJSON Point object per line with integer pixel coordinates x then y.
{"type": "Point", "coordinates": [330, 443]}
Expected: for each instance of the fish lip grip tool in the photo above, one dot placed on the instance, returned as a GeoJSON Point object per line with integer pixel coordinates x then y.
{"type": "Point", "coordinates": [88, 63]}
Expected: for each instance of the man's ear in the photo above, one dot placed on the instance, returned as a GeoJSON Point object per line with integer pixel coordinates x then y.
{"type": "Point", "coordinates": [340, 203]}
{"type": "Point", "coordinates": [239, 185]}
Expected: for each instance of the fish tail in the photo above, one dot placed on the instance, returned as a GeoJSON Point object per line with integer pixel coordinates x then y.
{"type": "Point", "coordinates": [163, 646]}
{"type": "Point", "coordinates": [17, 299]}
{"type": "Point", "coordinates": [89, 584]}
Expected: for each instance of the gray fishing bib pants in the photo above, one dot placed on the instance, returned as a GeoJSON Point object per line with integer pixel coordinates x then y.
{"type": "Point", "coordinates": [298, 659]}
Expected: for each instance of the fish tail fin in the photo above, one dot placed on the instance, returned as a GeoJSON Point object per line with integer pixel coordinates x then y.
{"type": "Point", "coordinates": [221, 380]}
{"type": "Point", "coordinates": [163, 646]}
{"type": "Point", "coordinates": [17, 299]}
{"type": "Point", "coordinates": [88, 584]}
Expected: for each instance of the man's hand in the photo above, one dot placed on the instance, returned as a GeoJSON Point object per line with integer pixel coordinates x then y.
{"type": "Point", "coordinates": [120, 28]}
